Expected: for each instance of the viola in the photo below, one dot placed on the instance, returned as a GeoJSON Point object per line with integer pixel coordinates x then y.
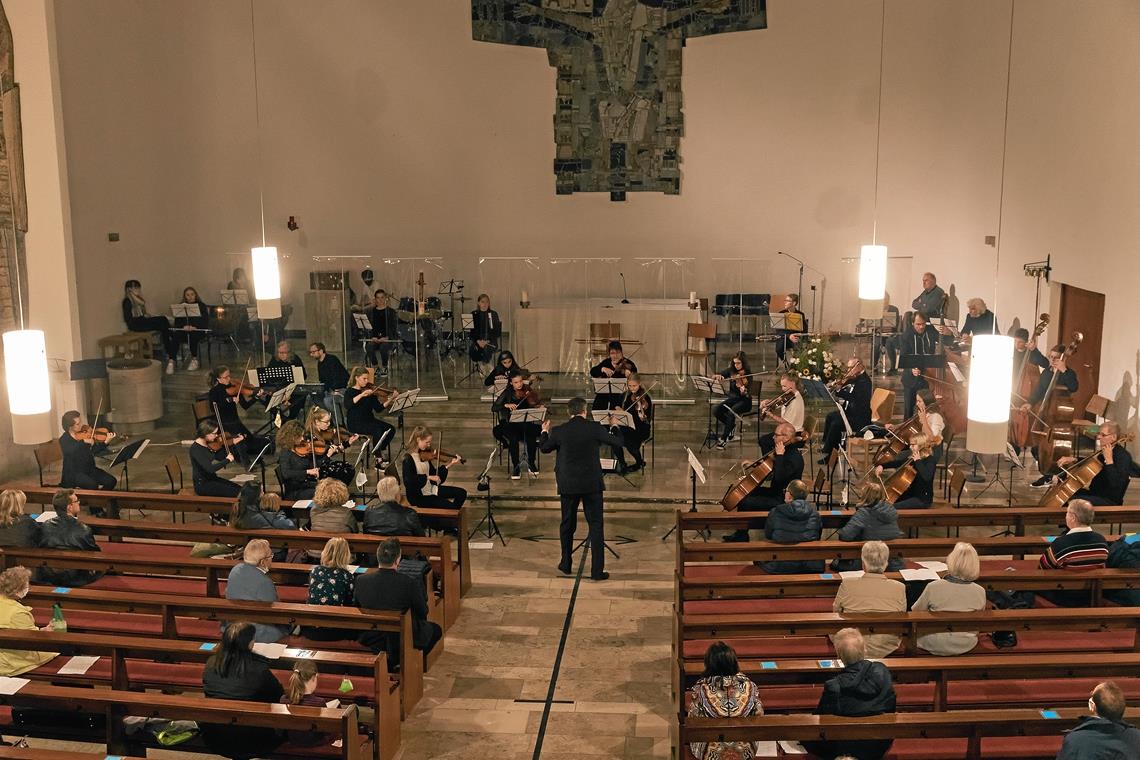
{"type": "Point", "coordinates": [222, 441]}
{"type": "Point", "coordinates": [438, 455]}
{"type": "Point", "coordinates": [308, 447]}
{"type": "Point", "coordinates": [526, 395]}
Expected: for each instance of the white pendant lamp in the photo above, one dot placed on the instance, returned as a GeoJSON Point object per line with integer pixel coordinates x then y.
{"type": "Point", "coordinates": [266, 282]}
{"type": "Point", "coordinates": [991, 382]}
{"type": "Point", "coordinates": [29, 390]}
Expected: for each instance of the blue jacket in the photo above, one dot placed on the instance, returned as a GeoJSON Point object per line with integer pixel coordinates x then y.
{"type": "Point", "coordinates": [1099, 739]}
{"type": "Point", "coordinates": [247, 583]}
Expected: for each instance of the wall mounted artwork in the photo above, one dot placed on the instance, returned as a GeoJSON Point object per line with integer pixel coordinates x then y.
{"type": "Point", "coordinates": [617, 118]}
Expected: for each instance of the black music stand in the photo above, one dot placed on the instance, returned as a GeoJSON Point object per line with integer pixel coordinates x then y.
{"type": "Point", "coordinates": [484, 484]}
{"type": "Point", "coordinates": [124, 456]}
{"type": "Point", "coordinates": [399, 403]}
{"type": "Point", "coordinates": [706, 384]}
{"type": "Point", "coordinates": [696, 471]}
{"type": "Point", "coordinates": [528, 417]}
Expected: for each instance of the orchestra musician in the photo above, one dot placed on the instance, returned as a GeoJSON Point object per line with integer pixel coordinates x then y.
{"type": "Point", "coordinates": [425, 474]}
{"type": "Point", "coordinates": [917, 341]}
{"type": "Point", "coordinates": [931, 421]}
{"type": "Point", "coordinates": [614, 365]}
{"type": "Point", "coordinates": [385, 337]}
{"type": "Point", "coordinates": [639, 404]}
{"type": "Point", "coordinates": [792, 412]}
{"type": "Point", "coordinates": [486, 330]}
{"type": "Point", "coordinates": [506, 366]}
{"type": "Point", "coordinates": [319, 429]}
{"type": "Point", "coordinates": [283, 356]}
{"type": "Point", "coordinates": [77, 444]}
{"type": "Point", "coordinates": [192, 327]}
{"type": "Point", "coordinates": [791, 306]}
{"type": "Point", "coordinates": [297, 472]}
{"type": "Point", "coordinates": [979, 321]}
{"type": "Point", "coordinates": [931, 302]}
{"type": "Point", "coordinates": [363, 401]}
{"type": "Point", "coordinates": [738, 398]}
{"type": "Point", "coordinates": [1055, 364]}
{"type": "Point", "coordinates": [924, 458]}
{"type": "Point", "coordinates": [855, 398]}
{"type": "Point", "coordinates": [518, 395]}
{"type": "Point", "coordinates": [207, 457]}
{"type": "Point", "coordinates": [1107, 488]}
{"type": "Point", "coordinates": [331, 373]}
{"type": "Point", "coordinates": [225, 395]}
{"type": "Point", "coordinates": [137, 319]}
{"type": "Point", "coordinates": [788, 465]}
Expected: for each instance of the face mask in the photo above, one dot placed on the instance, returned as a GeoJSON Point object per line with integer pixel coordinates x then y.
{"type": "Point", "coordinates": [264, 569]}
{"type": "Point", "coordinates": [23, 593]}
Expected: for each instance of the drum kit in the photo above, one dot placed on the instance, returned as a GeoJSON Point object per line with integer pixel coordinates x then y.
{"type": "Point", "coordinates": [435, 325]}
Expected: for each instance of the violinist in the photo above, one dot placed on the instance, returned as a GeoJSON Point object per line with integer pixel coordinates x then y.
{"type": "Point", "coordinates": [639, 404]}
{"type": "Point", "coordinates": [225, 395]}
{"type": "Point", "coordinates": [486, 330]}
{"type": "Point", "coordinates": [615, 365]}
{"type": "Point", "coordinates": [295, 468]}
{"type": "Point", "coordinates": [193, 328]}
{"type": "Point", "coordinates": [917, 341]}
{"type": "Point", "coordinates": [385, 337]}
{"type": "Point", "coordinates": [791, 306]}
{"type": "Point", "coordinates": [139, 320]}
{"type": "Point", "coordinates": [787, 465]}
{"type": "Point", "coordinates": [506, 366]}
{"type": "Point", "coordinates": [518, 395]}
{"type": "Point", "coordinates": [738, 398]}
{"type": "Point", "coordinates": [425, 474]}
{"type": "Point", "coordinates": [923, 458]}
{"type": "Point", "coordinates": [1109, 485]}
{"type": "Point", "coordinates": [77, 444]}
{"type": "Point", "coordinates": [792, 412]}
{"type": "Point", "coordinates": [363, 401]}
{"type": "Point", "coordinates": [1055, 364]}
{"type": "Point", "coordinates": [208, 455]}
{"type": "Point", "coordinates": [854, 395]}
{"type": "Point", "coordinates": [325, 442]}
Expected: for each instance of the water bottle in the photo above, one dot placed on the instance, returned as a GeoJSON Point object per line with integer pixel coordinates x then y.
{"type": "Point", "coordinates": [58, 624]}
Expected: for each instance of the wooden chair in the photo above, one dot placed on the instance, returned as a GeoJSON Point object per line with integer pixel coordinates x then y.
{"type": "Point", "coordinates": [174, 474]}
{"type": "Point", "coordinates": [810, 426]}
{"type": "Point", "coordinates": [202, 409]}
{"type": "Point", "coordinates": [882, 406]}
{"type": "Point", "coordinates": [48, 454]}
{"type": "Point", "coordinates": [601, 333]}
{"type": "Point", "coordinates": [698, 338]}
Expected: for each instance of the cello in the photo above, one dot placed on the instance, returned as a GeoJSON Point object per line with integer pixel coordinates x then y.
{"type": "Point", "coordinates": [1023, 386]}
{"type": "Point", "coordinates": [1079, 475]}
{"type": "Point", "coordinates": [1055, 412]}
{"type": "Point", "coordinates": [755, 474]}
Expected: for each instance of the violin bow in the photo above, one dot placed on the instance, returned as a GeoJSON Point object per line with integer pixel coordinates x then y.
{"type": "Point", "coordinates": [221, 428]}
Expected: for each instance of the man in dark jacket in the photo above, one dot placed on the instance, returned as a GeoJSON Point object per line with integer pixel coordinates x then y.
{"type": "Point", "coordinates": [1124, 552]}
{"type": "Point", "coordinates": [1104, 735]}
{"type": "Point", "coordinates": [787, 465]}
{"type": "Point", "coordinates": [855, 398]}
{"type": "Point", "coordinates": [79, 470]}
{"type": "Point", "coordinates": [863, 688]}
{"type": "Point", "coordinates": [390, 517]}
{"type": "Point", "coordinates": [386, 589]}
{"type": "Point", "coordinates": [66, 532]}
{"type": "Point", "coordinates": [793, 522]}
{"type": "Point", "coordinates": [385, 337]}
{"type": "Point", "coordinates": [578, 473]}
{"type": "Point", "coordinates": [1108, 487]}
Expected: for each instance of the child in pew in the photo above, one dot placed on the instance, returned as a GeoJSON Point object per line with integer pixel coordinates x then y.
{"type": "Point", "coordinates": [14, 584]}
{"type": "Point", "coordinates": [235, 671]}
{"type": "Point", "coordinates": [301, 690]}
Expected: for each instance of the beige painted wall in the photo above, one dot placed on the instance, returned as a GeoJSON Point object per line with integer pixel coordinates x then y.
{"type": "Point", "coordinates": [388, 132]}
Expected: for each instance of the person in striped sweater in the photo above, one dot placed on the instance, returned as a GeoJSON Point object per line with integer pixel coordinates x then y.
{"type": "Point", "coordinates": [1080, 548]}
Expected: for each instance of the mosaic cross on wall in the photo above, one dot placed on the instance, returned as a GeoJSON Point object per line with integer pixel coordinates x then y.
{"type": "Point", "coordinates": [617, 113]}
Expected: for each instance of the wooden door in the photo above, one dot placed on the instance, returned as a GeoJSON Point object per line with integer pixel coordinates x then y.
{"type": "Point", "coordinates": [1082, 311]}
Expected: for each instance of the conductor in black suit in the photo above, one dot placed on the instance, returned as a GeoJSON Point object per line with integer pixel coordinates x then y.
{"type": "Point", "coordinates": [578, 472]}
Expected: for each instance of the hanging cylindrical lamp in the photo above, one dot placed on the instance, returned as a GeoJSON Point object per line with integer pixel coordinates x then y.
{"type": "Point", "coordinates": [991, 382]}
{"type": "Point", "coordinates": [29, 390]}
{"type": "Point", "coordinates": [266, 282]}
{"type": "Point", "coordinates": [872, 280]}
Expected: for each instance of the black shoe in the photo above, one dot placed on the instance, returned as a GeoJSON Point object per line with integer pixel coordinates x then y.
{"type": "Point", "coordinates": [737, 536]}
{"type": "Point", "coordinates": [516, 472]}
{"type": "Point", "coordinates": [1041, 482]}
{"type": "Point", "coordinates": [564, 568]}
{"type": "Point", "coordinates": [602, 576]}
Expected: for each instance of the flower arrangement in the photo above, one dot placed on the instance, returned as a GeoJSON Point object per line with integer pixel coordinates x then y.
{"type": "Point", "coordinates": [812, 359]}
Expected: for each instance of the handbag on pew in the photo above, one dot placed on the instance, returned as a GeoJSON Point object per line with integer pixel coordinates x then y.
{"type": "Point", "coordinates": [1008, 600]}
{"type": "Point", "coordinates": [417, 568]}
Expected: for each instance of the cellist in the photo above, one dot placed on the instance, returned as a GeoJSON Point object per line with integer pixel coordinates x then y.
{"type": "Point", "coordinates": [1066, 378]}
{"type": "Point", "coordinates": [788, 465]}
{"type": "Point", "coordinates": [1108, 487]}
{"type": "Point", "coordinates": [924, 460]}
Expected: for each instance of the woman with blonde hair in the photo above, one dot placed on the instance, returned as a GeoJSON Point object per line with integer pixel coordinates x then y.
{"type": "Point", "coordinates": [954, 592]}
{"type": "Point", "coordinates": [331, 584]}
{"type": "Point", "coordinates": [424, 477]}
{"type": "Point", "coordinates": [16, 528]}
{"type": "Point", "coordinates": [923, 458]}
{"type": "Point", "coordinates": [14, 585]}
{"type": "Point", "coordinates": [318, 423]}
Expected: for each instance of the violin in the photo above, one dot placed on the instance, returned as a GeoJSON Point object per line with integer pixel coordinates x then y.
{"type": "Point", "coordinates": [379, 390]}
{"type": "Point", "coordinates": [438, 455]}
{"type": "Point", "coordinates": [848, 376]}
{"type": "Point", "coordinates": [222, 441]}
{"type": "Point", "coordinates": [526, 395]}
{"type": "Point", "coordinates": [95, 435]}
{"type": "Point", "coordinates": [242, 391]}
{"type": "Point", "coordinates": [308, 447]}
{"type": "Point", "coordinates": [783, 399]}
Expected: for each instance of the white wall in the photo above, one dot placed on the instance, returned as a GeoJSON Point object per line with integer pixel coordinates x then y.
{"type": "Point", "coordinates": [387, 131]}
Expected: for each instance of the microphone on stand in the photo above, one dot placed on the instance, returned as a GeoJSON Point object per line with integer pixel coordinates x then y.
{"type": "Point", "coordinates": [624, 291]}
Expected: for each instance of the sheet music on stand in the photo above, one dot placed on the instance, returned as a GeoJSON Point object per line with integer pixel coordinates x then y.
{"type": "Point", "coordinates": [698, 468]}
{"type": "Point", "coordinates": [815, 389]}
{"type": "Point", "coordinates": [279, 397]}
{"type": "Point", "coordinates": [609, 386]}
{"type": "Point", "coordinates": [500, 385]}
{"type": "Point", "coordinates": [535, 416]}
{"type": "Point", "coordinates": [622, 418]}
{"type": "Point", "coordinates": [793, 322]}
{"type": "Point", "coordinates": [185, 310]}
{"type": "Point", "coordinates": [363, 323]}
{"type": "Point", "coordinates": [279, 375]}
{"type": "Point", "coordinates": [402, 401]}
{"type": "Point", "coordinates": [235, 297]}
{"type": "Point", "coordinates": [467, 321]}
{"type": "Point", "coordinates": [715, 386]}
{"type": "Point", "coordinates": [131, 451]}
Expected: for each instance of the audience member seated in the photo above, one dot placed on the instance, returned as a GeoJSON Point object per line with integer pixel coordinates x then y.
{"type": "Point", "coordinates": [1103, 735]}
{"type": "Point", "coordinates": [16, 528]}
{"type": "Point", "coordinates": [329, 513]}
{"type": "Point", "coordinates": [15, 615]}
{"type": "Point", "coordinates": [65, 531]}
{"type": "Point", "coordinates": [723, 692]}
{"type": "Point", "coordinates": [1124, 553]}
{"type": "Point", "coordinates": [390, 517]}
{"type": "Point", "coordinates": [331, 583]}
{"type": "Point", "coordinates": [235, 671]}
{"type": "Point", "coordinates": [300, 691]}
{"type": "Point", "coordinates": [873, 592]}
{"type": "Point", "coordinates": [255, 510]}
{"type": "Point", "coordinates": [249, 581]}
{"type": "Point", "coordinates": [1080, 548]}
{"type": "Point", "coordinates": [955, 592]}
{"type": "Point", "coordinates": [874, 520]}
{"type": "Point", "coordinates": [862, 689]}
{"type": "Point", "coordinates": [386, 589]}
{"type": "Point", "coordinates": [793, 522]}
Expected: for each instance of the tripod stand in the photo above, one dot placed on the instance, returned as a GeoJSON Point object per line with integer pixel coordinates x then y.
{"type": "Point", "coordinates": [453, 289]}
{"type": "Point", "coordinates": [705, 384]}
{"type": "Point", "coordinates": [484, 484]}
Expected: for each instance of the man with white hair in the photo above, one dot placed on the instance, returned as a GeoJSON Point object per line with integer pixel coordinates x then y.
{"type": "Point", "coordinates": [863, 688]}
{"type": "Point", "coordinates": [249, 581]}
{"type": "Point", "coordinates": [873, 592]}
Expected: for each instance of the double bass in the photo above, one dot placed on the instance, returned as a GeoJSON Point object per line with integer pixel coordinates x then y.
{"type": "Point", "coordinates": [1055, 412]}
{"type": "Point", "coordinates": [1023, 387]}
{"type": "Point", "coordinates": [1079, 475]}
{"type": "Point", "coordinates": [755, 474]}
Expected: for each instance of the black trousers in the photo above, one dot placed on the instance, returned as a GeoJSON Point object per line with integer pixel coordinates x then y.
{"type": "Point", "coordinates": [98, 480]}
{"type": "Point", "coordinates": [833, 431]}
{"type": "Point", "coordinates": [483, 355]}
{"type": "Point", "coordinates": [631, 440]}
{"type": "Point", "coordinates": [192, 337]}
{"type": "Point", "coordinates": [449, 497]}
{"type": "Point", "coordinates": [911, 502]}
{"type": "Point", "coordinates": [740, 405]}
{"type": "Point", "coordinates": [1092, 498]}
{"type": "Point", "coordinates": [384, 349]}
{"type": "Point", "coordinates": [159, 325]}
{"type": "Point", "coordinates": [592, 507]}
{"type": "Point", "coordinates": [374, 429]}
{"type": "Point", "coordinates": [522, 432]}
{"type": "Point", "coordinates": [606, 401]}
{"type": "Point", "coordinates": [223, 488]}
